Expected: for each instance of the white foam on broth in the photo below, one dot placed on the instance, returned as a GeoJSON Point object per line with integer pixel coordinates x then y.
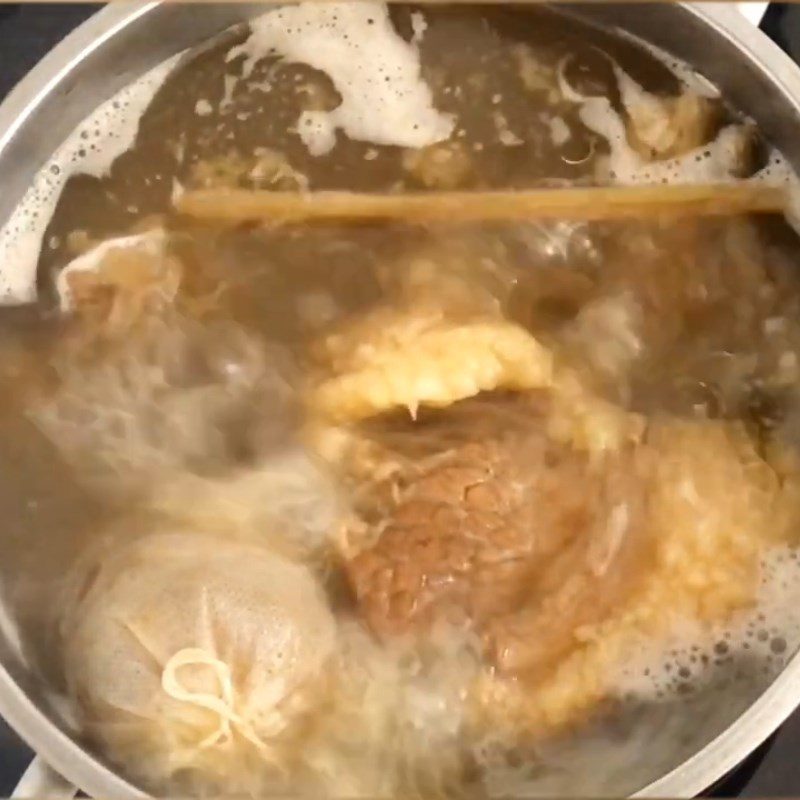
{"type": "Point", "coordinates": [152, 242]}
{"type": "Point", "coordinates": [90, 149]}
{"type": "Point", "coordinates": [718, 161]}
{"type": "Point", "coordinates": [376, 72]}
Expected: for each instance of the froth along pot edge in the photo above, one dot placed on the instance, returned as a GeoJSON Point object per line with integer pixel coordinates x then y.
{"type": "Point", "coordinates": [122, 41]}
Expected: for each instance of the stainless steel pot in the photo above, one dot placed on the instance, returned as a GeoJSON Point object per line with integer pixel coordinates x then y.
{"type": "Point", "coordinates": [124, 40]}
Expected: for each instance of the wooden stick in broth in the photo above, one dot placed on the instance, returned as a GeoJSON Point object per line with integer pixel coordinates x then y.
{"type": "Point", "coordinates": [593, 203]}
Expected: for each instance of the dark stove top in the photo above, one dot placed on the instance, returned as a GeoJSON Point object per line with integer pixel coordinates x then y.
{"type": "Point", "coordinates": [28, 31]}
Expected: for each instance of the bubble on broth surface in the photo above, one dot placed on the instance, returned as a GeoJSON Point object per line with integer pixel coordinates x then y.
{"type": "Point", "coordinates": [671, 699]}
{"type": "Point", "coordinates": [765, 634]}
{"type": "Point", "coordinates": [778, 172]}
{"type": "Point", "coordinates": [720, 160]}
{"type": "Point", "coordinates": [716, 161]}
{"type": "Point", "coordinates": [686, 74]}
{"type": "Point", "coordinates": [90, 149]}
{"type": "Point", "coordinates": [375, 71]}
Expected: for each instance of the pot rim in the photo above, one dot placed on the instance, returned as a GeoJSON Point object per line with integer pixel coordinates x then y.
{"type": "Point", "coordinates": [67, 757]}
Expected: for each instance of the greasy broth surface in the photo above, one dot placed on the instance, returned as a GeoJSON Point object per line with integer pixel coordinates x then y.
{"type": "Point", "coordinates": [479, 80]}
{"type": "Point", "coordinates": [719, 297]}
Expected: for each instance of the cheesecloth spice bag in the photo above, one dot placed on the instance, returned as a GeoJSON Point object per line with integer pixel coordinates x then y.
{"type": "Point", "coordinates": [188, 655]}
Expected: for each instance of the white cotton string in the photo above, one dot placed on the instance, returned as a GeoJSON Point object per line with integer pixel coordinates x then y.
{"type": "Point", "coordinates": [223, 705]}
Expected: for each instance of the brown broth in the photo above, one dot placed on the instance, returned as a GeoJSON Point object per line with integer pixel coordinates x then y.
{"type": "Point", "coordinates": [715, 301]}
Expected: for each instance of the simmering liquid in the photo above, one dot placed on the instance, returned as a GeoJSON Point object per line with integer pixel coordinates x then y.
{"type": "Point", "coordinates": [532, 489]}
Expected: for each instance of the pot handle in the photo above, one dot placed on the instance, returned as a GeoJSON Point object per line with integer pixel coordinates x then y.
{"type": "Point", "coordinates": [42, 782]}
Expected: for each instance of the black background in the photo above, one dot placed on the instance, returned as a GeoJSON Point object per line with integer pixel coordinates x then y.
{"type": "Point", "coordinates": [28, 31]}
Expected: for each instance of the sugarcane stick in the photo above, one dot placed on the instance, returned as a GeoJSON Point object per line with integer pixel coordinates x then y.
{"type": "Point", "coordinates": [584, 203]}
